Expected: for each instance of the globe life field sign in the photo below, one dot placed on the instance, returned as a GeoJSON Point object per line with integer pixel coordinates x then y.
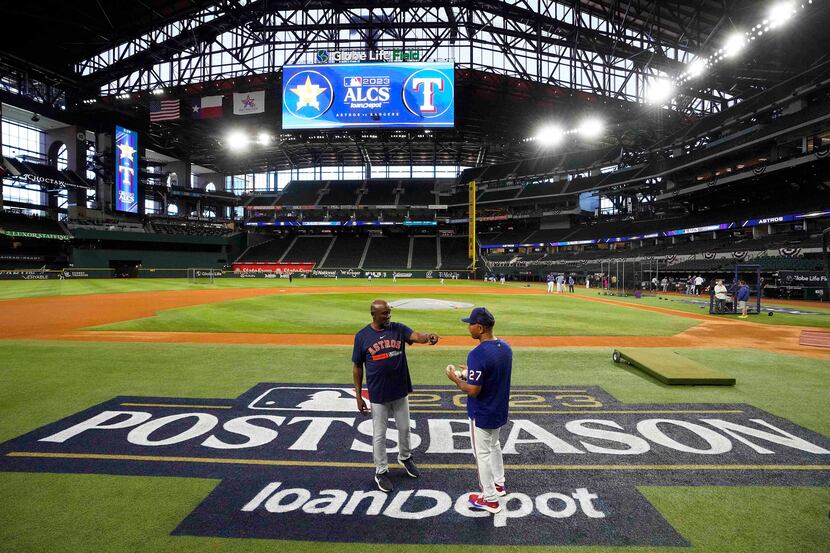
{"type": "Point", "coordinates": [355, 95]}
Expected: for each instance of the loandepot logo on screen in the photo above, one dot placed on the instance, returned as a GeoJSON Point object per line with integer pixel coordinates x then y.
{"type": "Point", "coordinates": [295, 463]}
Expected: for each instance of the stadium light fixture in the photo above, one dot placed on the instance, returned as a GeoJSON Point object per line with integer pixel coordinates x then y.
{"type": "Point", "coordinates": [777, 15]}
{"type": "Point", "coordinates": [591, 128]}
{"type": "Point", "coordinates": [236, 140]}
{"type": "Point", "coordinates": [659, 90]}
{"type": "Point", "coordinates": [263, 138]}
{"type": "Point", "coordinates": [550, 135]}
{"type": "Point", "coordinates": [696, 68]}
{"type": "Point", "coordinates": [734, 44]}
{"type": "Point", "coordinates": [780, 13]}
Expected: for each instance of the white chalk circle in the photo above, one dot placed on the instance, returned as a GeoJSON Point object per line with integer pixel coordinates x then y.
{"type": "Point", "coordinates": [429, 303]}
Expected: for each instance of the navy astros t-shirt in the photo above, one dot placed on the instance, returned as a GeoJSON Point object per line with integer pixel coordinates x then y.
{"type": "Point", "coordinates": [383, 352]}
{"type": "Point", "coordinates": [489, 365]}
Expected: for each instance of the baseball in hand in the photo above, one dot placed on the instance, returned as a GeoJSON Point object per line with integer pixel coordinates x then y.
{"type": "Point", "coordinates": [459, 374]}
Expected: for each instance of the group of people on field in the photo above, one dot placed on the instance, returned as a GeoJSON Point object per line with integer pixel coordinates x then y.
{"type": "Point", "coordinates": [560, 281]}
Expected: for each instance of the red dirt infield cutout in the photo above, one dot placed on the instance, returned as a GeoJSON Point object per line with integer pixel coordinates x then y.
{"type": "Point", "coordinates": [62, 317]}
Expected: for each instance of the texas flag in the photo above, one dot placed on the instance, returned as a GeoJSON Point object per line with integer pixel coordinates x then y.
{"type": "Point", "coordinates": [207, 107]}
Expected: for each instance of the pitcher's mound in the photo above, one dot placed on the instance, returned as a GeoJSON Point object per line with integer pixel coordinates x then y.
{"type": "Point", "coordinates": [428, 303]}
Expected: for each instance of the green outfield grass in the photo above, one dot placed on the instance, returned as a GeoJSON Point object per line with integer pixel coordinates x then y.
{"type": "Point", "coordinates": [10, 289]}
{"type": "Point", "coordinates": [346, 313]}
{"type": "Point", "coordinates": [44, 381]}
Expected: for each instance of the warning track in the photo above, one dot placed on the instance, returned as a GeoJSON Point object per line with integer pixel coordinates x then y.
{"type": "Point", "coordinates": [64, 317]}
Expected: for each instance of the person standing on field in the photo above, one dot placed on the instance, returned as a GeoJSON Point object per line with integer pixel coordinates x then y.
{"type": "Point", "coordinates": [381, 347]}
{"type": "Point", "coordinates": [720, 297]}
{"type": "Point", "coordinates": [742, 296]}
{"type": "Point", "coordinates": [487, 386]}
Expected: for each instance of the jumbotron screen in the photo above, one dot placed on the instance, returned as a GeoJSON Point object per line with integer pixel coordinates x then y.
{"type": "Point", "coordinates": [125, 193]}
{"type": "Point", "coordinates": [355, 95]}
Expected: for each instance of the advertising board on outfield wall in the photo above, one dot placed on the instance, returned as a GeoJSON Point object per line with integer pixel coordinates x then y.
{"type": "Point", "coordinates": [273, 270]}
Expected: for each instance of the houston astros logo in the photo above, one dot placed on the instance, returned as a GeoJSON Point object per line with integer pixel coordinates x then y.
{"type": "Point", "coordinates": [428, 93]}
{"type": "Point", "coordinates": [308, 94]}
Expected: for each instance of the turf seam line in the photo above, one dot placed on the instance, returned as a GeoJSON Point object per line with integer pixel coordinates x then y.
{"type": "Point", "coordinates": [517, 411]}
{"type": "Point", "coordinates": [280, 462]}
{"type": "Point", "coordinates": [175, 405]}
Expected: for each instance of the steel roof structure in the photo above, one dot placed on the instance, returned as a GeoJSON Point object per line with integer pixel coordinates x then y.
{"type": "Point", "coordinates": [518, 63]}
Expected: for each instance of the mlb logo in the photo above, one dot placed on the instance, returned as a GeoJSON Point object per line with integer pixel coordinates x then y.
{"type": "Point", "coordinates": [307, 398]}
{"type": "Point", "coordinates": [353, 81]}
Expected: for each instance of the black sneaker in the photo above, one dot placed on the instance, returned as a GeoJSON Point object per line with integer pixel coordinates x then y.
{"type": "Point", "coordinates": [410, 467]}
{"type": "Point", "coordinates": [383, 482]}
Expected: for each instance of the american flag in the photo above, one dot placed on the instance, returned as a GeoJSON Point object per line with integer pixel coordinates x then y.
{"type": "Point", "coordinates": [164, 110]}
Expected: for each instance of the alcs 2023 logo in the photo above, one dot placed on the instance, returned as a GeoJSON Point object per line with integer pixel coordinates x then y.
{"type": "Point", "coordinates": [295, 463]}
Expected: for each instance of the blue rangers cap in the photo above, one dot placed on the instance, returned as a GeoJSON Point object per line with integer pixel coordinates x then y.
{"type": "Point", "coordinates": [480, 316]}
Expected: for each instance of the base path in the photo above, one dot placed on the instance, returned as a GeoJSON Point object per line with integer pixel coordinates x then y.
{"type": "Point", "coordinates": [64, 317]}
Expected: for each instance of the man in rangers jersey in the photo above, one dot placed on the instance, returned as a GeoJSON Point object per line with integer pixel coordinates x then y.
{"type": "Point", "coordinates": [487, 386]}
{"type": "Point", "coordinates": [381, 347]}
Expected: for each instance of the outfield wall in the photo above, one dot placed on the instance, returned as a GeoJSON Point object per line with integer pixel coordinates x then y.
{"type": "Point", "coordinates": [200, 273]}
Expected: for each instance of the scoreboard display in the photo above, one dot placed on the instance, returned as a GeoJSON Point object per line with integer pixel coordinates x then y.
{"type": "Point", "coordinates": [125, 193]}
{"type": "Point", "coordinates": [363, 95]}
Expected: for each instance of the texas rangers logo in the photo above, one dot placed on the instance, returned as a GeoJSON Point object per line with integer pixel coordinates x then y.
{"type": "Point", "coordinates": [308, 94]}
{"type": "Point", "coordinates": [428, 93]}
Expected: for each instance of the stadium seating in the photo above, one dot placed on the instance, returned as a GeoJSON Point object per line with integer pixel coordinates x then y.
{"type": "Point", "coordinates": [542, 188]}
{"type": "Point", "coordinates": [270, 250]}
{"type": "Point", "coordinates": [387, 252]}
{"type": "Point", "coordinates": [190, 227]}
{"type": "Point", "coordinates": [27, 223]}
{"type": "Point", "coordinates": [341, 193]}
{"type": "Point", "coordinates": [454, 253]}
{"type": "Point", "coordinates": [380, 192]}
{"type": "Point", "coordinates": [538, 166]}
{"type": "Point", "coordinates": [301, 193]}
{"type": "Point", "coordinates": [418, 193]}
{"type": "Point", "coordinates": [424, 252]}
{"type": "Point", "coordinates": [268, 199]}
{"type": "Point", "coordinates": [346, 252]}
{"type": "Point", "coordinates": [498, 193]}
{"type": "Point", "coordinates": [308, 249]}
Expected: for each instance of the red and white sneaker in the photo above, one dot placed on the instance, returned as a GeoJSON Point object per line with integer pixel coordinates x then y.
{"type": "Point", "coordinates": [501, 490]}
{"type": "Point", "coordinates": [478, 503]}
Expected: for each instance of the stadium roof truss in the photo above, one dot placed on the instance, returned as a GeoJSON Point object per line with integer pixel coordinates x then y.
{"type": "Point", "coordinates": [604, 47]}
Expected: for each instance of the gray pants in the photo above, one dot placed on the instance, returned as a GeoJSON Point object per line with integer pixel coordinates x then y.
{"type": "Point", "coordinates": [381, 413]}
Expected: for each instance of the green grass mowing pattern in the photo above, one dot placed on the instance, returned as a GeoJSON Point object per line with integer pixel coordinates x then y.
{"type": "Point", "coordinates": [332, 313]}
{"type": "Point", "coordinates": [44, 381]}
{"type": "Point", "coordinates": [11, 289]}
